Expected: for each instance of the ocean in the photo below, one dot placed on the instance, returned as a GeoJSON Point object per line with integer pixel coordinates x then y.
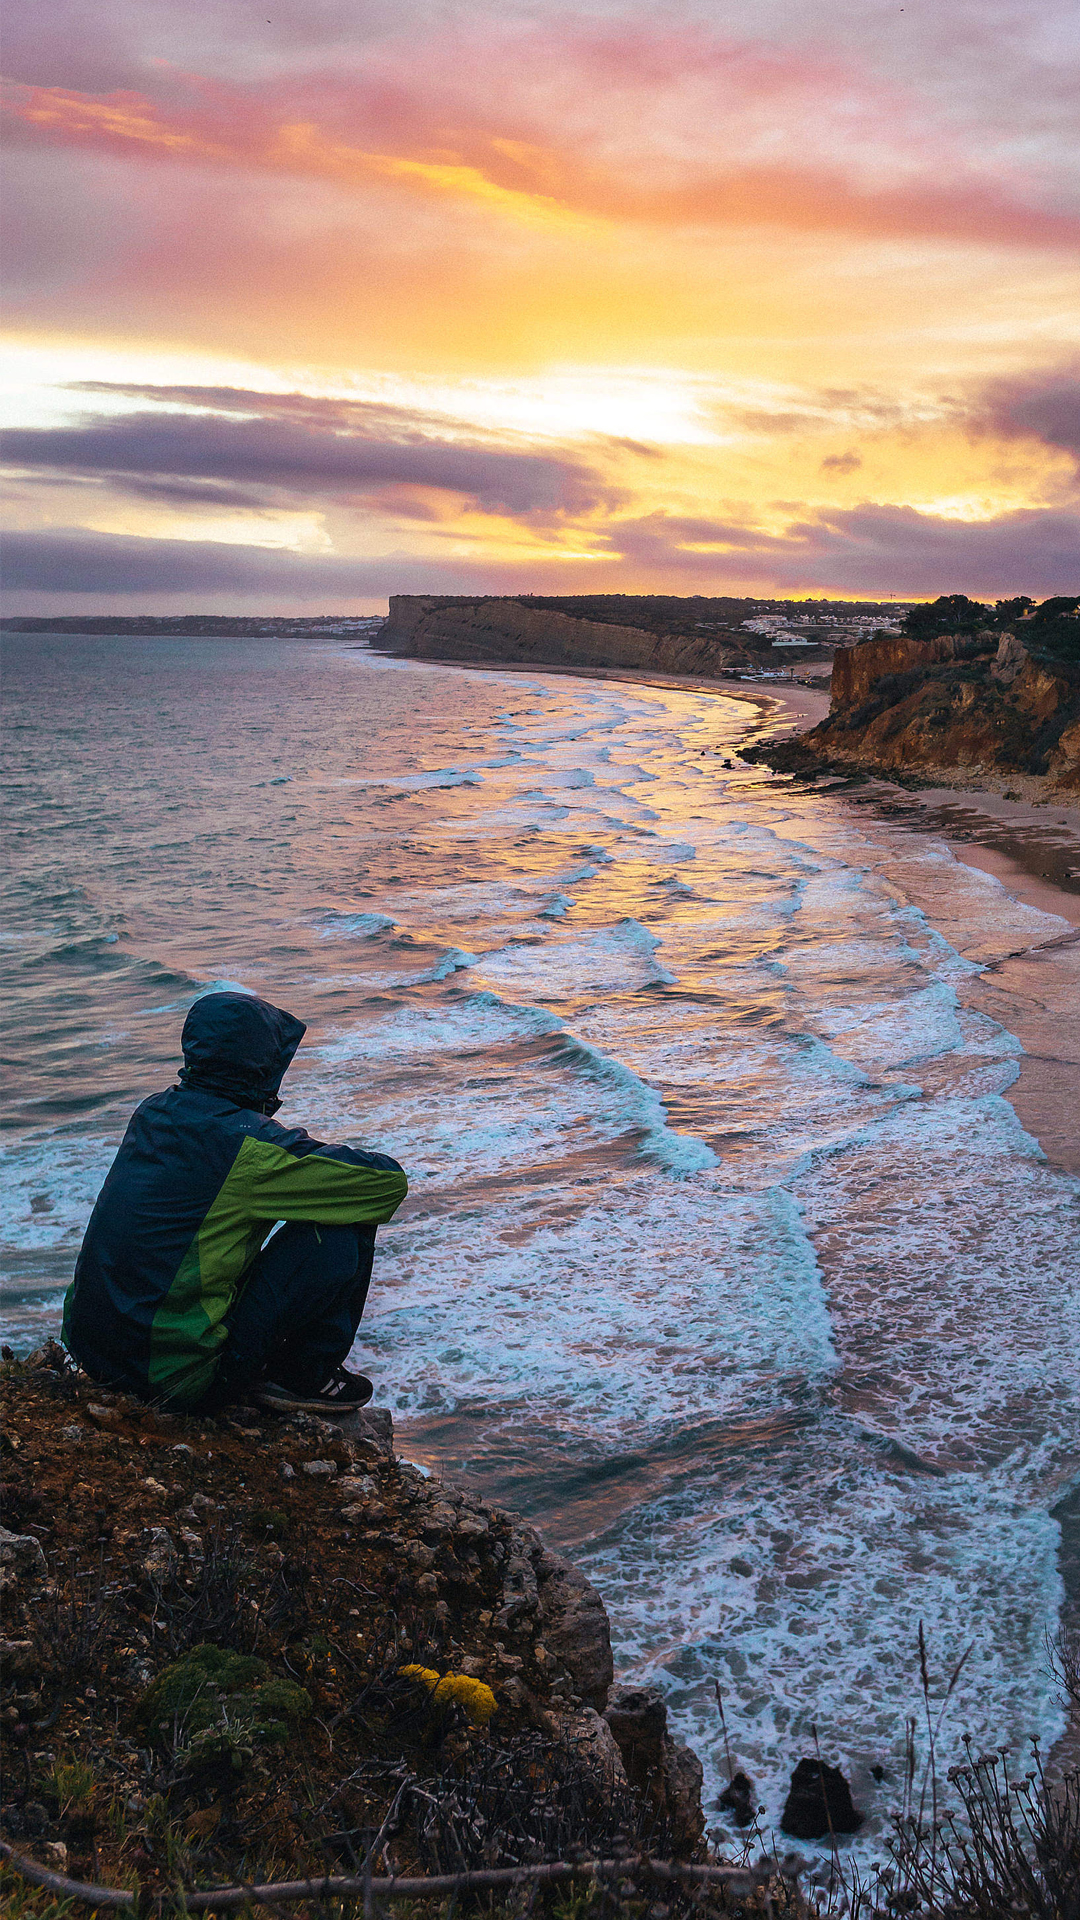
{"type": "Point", "coordinates": [726, 1259]}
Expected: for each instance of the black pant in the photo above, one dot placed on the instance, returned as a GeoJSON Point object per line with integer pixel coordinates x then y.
{"type": "Point", "coordinates": [297, 1315]}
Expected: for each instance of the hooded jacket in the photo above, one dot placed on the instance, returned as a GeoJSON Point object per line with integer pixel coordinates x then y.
{"type": "Point", "coordinates": [203, 1174]}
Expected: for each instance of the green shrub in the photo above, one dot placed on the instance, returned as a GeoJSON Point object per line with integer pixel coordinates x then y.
{"type": "Point", "coordinates": [215, 1708]}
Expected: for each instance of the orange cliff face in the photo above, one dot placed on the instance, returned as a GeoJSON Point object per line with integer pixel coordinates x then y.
{"type": "Point", "coordinates": [857, 669]}
{"type": "Point", "coordinates": [959, 707]}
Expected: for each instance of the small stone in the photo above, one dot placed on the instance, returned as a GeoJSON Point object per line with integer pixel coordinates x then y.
{"type": "Point", "coordinates": [182, 1447]}
{"type": "Point", "coordinates": [192, 1543]}
{"type": "Point", "coordinates": [740, 1566]}
{"type": "Point", "coordinates": [428, 1583]}
{"type": "Point", "coordinates": [18, 1657]}
{"type": "Point", "coordinates": [287, 1472]}
{"type": "Point", "coordinates": [161, 1554]}
{"type": "Point", "coordinates": [20, 1554]}
{"type": "Point", "coordinates": [54, 1854]}
{"type": "Point", "coordinates": [103, 1416]}
{"type": "Point", "coordinates": [153, 1486]}
{"type": "Point", "coordinates": [738, 1800]}
{"type": "Point", "coordinates": [358, 1486]}
{"type": "Point", "coordinates": [319, 1469]}
{"type": "Point", "coordinates": [74, 1435]}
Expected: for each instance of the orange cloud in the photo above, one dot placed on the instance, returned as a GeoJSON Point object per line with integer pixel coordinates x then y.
{"type": "Point", "coordinates": [568, 177]}
{"type": "Point", "coordinates": [117, 123]}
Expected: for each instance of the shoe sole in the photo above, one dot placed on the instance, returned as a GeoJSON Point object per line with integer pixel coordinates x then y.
{"type": "Point", "coordinates": [274, 1403]}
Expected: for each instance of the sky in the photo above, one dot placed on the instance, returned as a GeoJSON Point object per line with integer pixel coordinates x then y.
{"type": "Point", "coordinates": [356, 298]}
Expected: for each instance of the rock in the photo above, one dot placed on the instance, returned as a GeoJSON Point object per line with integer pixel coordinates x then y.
{"type": "Point", "coordinates": [1009, 660]}
{"type": "Point", "coordinates": [589, 1736]}
{"type": "Point", "coordinates": [574, 1627]}
{"type": "Point", "coordinates": [54, 1854]}
{"type": "Point", "coordinates": [371, 1427]}
{"type": "Point", "coordinates": [319, 1469]}
{"type": "Point", "coordinates": [358, 1486]}
{"type": "Point", "coordinates": [660, 1767]}
{"type": "Point", "coordinates": [818, 1803]}
{"type": "Point", "coordinates": [18, 1658]}
{"type": "Point", "coordinates": [107, 1417]}
{"type": "Point", "coordinates": [20, 1557]}
{"type": "Point", "coordinates": [161, 1555]}
{"type": "Point", "coordinates": [738, 1800]}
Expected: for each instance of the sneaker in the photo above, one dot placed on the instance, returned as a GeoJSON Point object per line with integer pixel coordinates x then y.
{"type": "Point", "coordinates": [344, 1392]}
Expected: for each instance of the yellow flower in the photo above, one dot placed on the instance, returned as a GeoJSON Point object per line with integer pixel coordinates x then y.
{"type": "Point", "coordinates": [423, 1674]}
{"type": "Point", "coordinates": [455, 1690]}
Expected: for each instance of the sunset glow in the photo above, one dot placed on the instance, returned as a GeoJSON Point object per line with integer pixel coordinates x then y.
{"type": "Point", "coordinates": [620, 297]}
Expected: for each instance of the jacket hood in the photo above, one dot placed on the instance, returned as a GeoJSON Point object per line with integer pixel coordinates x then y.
{"type": "Point", "coordinates": [238, 1046]}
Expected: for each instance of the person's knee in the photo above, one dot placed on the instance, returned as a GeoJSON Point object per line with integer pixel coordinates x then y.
{"type": "Point", "coordinates": [339, 1252]}
{"type": "Point", "coordinates": [333, 1253]}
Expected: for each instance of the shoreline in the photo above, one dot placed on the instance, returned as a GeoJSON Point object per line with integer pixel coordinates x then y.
{"type": "Point", "coordinates": [1032, 849]}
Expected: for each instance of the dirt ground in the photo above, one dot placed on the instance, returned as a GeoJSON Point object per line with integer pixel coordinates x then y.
{"type": "Point", "coordinates": [315, 1567]}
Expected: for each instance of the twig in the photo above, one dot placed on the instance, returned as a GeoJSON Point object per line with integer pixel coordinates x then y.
{"type": "Point", "coordinates": [723, 1729]}
{"type": "Point", "coordinates": [334, 1886]}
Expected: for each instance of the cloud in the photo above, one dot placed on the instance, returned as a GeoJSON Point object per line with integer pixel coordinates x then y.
{"type": "Point", "coordinates": [74, 560]}
{"type": "Point", "coordinates": [307, 448]}
{"type": "Point", "coordinates": [1038, 406]}
{"type": "Point", "coordinates": [869, 549]}
{"type": "Point", "coordinates": [625, 120]}
{"type": "Point", "coordinates": [841, 463]}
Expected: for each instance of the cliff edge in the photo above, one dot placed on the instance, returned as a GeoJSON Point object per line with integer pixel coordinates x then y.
{"type": "Point", "coordinates": [970, 706]}
{"type": "Point", "coordinates": [493, 632]}
{"type": "Point", "coordinates": [247, 1645]}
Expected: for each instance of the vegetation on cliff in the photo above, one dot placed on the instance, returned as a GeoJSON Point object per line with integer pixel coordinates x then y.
{"type": "Point", "coordinates": [1050, 631]}
{"type": "Point", "coordinates": [965, 692]}
{"type": "Point", "coordinates": [220, 1642]}
{"type": "Point", "coordinates": [252, 1650]}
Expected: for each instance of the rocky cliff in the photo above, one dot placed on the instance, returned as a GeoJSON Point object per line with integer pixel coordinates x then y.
{"type": "Point", "coordinates": [978, 706]}
{"type": "Point", "coordinates": [496, 632]}
{"type": "Point", "coordinates": [247, 1639]}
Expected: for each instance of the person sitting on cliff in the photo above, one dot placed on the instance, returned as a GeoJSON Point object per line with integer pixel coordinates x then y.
{"type": "Point", "coordinates": [183, 1293]}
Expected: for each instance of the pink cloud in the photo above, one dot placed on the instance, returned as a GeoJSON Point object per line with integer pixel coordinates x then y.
{"type": "Point", "coordinates": [670, 127]}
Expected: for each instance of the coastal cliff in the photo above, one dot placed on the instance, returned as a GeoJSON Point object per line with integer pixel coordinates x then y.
{"type": "Point", "coordinates": [976, 706]}
{"type": "Point", "coordinates": [241, 1643]}
{"type": "Point", "coordinates": [493, 632]}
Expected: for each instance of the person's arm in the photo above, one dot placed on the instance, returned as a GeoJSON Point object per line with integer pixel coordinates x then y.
{"type": "Point", "coordinates": [289, 1176]}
